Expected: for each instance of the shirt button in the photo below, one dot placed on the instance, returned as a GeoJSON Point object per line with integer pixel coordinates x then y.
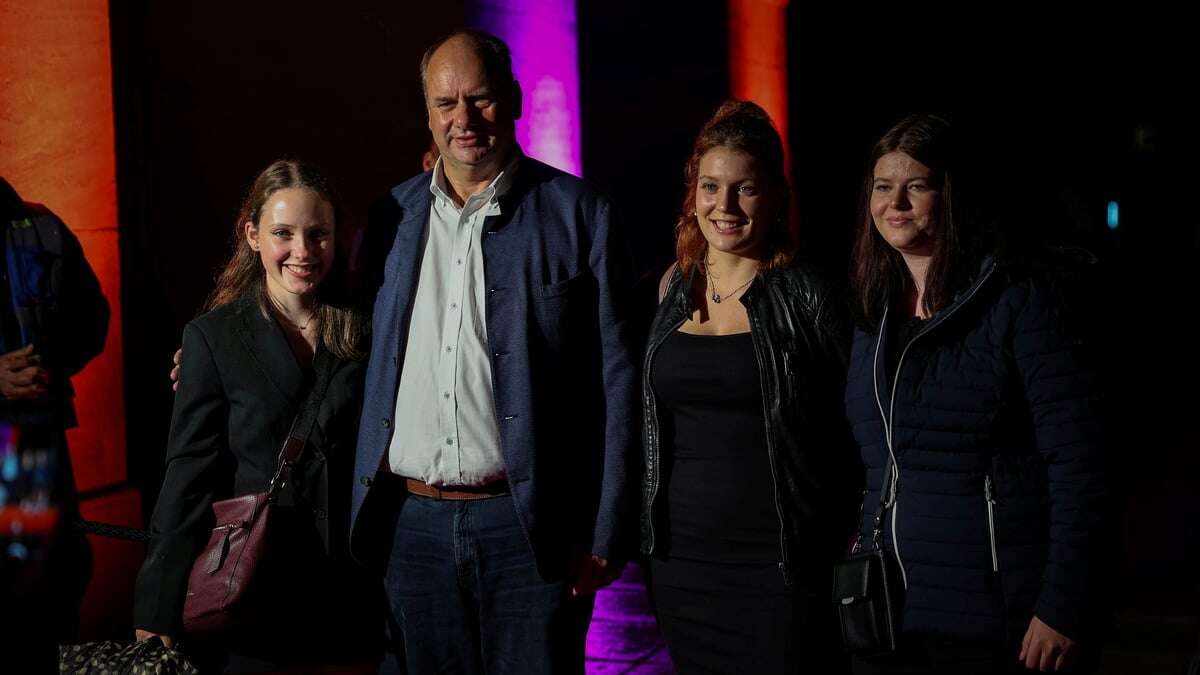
{"type": "Point", "coordinates": [387, 424]}
{"type": "Point", "coordinates": [454, 305]}
{"type": "Point", "coordinates": [449, 349]}
{"type": "Point", "coordinates": [459, 261]}
{"type": "Point", "coordinates": [449, 441]}
{"type": "Point", "coordinates": [446, 394]}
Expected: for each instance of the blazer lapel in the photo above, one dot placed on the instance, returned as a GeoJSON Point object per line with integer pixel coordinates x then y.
{"type": "Point", "coordinates": [405, 256]}
{"type": "Point", "coordinates": [269, 349]}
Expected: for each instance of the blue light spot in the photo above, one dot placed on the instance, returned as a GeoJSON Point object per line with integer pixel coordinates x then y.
{"type": "Point", "coordinates": [1114, 215]}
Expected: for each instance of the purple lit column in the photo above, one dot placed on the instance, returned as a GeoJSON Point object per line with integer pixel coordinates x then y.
{"type": "Point", "coordinates": [542, 36]}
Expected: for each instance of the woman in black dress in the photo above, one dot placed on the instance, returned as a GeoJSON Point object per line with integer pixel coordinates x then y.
{"type": "Point", "coordinates": [749, 491]}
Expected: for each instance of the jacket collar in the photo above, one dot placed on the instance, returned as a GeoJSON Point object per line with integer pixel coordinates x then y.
{"type": "Point", "coordinates": [268, 347]}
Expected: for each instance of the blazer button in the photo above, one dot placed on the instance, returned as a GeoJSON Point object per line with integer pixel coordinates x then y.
{"type": "Point", "coordinates": [319, 514]}
{"type": "Point", "coordinates": [387, 424]}
{"type": "Point", "coordinates": [365, 480]}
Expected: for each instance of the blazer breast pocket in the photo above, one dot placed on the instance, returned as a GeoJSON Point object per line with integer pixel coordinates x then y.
{"type": "Point", "coordinates": [555, 304]}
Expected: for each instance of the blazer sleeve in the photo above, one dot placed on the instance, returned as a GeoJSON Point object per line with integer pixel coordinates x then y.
{"type": "Point", "coordinates": [611, 264]}
{"type": "Point", "coordinates": [1060, 386]}
{"type": "Point", "coordinates": [196, 449]}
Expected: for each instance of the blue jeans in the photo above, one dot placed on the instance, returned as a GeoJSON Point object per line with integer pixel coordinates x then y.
{"type": "Point", "coordinates": [467, 598]}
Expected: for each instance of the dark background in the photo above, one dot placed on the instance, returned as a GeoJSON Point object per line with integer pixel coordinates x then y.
{"type": "Point", "coordinates": [207, 96]}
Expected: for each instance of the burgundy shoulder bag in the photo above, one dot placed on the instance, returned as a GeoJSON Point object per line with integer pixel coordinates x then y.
{"type": "Point", "coordinates": [224, 570]}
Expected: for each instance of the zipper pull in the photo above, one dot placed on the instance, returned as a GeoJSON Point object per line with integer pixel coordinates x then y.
{"type": "Point", "coordinates": [991, 516]}
{"type": "Point", "coordinates": [217, 556]}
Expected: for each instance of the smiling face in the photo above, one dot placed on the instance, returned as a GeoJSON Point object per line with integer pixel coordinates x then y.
{"type": "Point", "coordinates": [904, 203]}
{"type": "Point", "coordinates": [294, 240]}
{"type": "Point", "coordinates": [733, 202]}
{"type": "Point", "coordinates": [472, 121]}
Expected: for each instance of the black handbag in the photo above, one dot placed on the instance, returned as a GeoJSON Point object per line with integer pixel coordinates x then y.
{"type": "Point", "coordinates": [867, 592]}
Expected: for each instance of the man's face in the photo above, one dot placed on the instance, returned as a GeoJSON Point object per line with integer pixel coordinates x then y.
{"type": "Point", "coordinates": [473, 123]}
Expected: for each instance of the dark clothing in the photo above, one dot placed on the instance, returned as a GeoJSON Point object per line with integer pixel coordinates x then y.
{"type": "Point", "coordinates": [725, 619]}
{"type": "Point", "coordinates": [925, 654]}
{"type": "Point", "coordinates": [717, 474]}
{"type": "Point", "coordinates": [239, 392]}
{"type": "Point", "coordinates": [53, 301]}
{"type": "Point", "coordinates": [796, 328]}
{"type": "Point", "coordinates": [563, 366]}
{"type": "Point", "coordinates": [466, 591]}
{"type": "Point", "coordinates": [995, 428]}
{"type": "Point", "coordinates": [745, 439]}
{"type": "Point", "coordinates": [564, 385]}
{"type": "Point", "coordinates": [50, 298]}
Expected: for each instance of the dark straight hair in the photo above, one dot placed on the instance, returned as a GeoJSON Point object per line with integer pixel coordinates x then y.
{"type": "Point", "coordinates": [878, 271]}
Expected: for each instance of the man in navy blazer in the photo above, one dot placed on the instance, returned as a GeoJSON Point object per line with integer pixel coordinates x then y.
{"type": "Point", "coordinates": [496, 465]}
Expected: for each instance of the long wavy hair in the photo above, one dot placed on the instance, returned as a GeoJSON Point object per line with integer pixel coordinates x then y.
{"type": "Point", "coordinates": [878, 272]}
{"type": "Point", "coordinates": [743, 126]}
{"type": "Point", "coordinates": [340, 324]}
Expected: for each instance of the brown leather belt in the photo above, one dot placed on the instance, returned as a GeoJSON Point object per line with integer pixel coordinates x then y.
{"type": "Point", "coordinates": [461, 493]}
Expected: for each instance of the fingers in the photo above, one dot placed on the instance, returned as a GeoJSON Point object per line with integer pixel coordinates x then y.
{"type": "Point", "coordinates": [29, 383]}
{"type": "Point", "coordinates": [178, 360]}
{"type": "Point", "coordinates": [20, 358]}
{"type": "Point", "coordinates": [610, 572]}
{"type": "Point", "coordinates": [28, 376]}
{"type": "Point", "coordinates": [1032, 655]}
{"type": "Point", "coordinates": [1050, 654]}
{"type": "Point", "coordinates": [167, 640]}
{"type": "Point", "coordinates": [591, 575]}
{"type": "Point", "coordinates": [1024, 656]}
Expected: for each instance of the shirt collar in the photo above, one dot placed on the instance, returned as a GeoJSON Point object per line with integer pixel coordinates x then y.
{"type": "Point", "coordinates": [494, 191]}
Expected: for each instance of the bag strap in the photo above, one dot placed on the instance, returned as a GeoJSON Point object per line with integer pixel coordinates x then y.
{"type": "Point", "coordinates": [665, 281]}
{"type": "Point", "coordinates": [306, 420]}
{"type": "Point", "coordinates": [289, 454]}
{"type": "Point", "coordinates": [887, 497]}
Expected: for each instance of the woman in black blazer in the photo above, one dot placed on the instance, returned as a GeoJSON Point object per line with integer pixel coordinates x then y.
{"type": "Point", "coordinates": [247, 369]}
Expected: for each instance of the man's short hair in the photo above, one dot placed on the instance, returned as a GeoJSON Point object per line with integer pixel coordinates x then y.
{"type": "Point", "coordinates": [491, 50]}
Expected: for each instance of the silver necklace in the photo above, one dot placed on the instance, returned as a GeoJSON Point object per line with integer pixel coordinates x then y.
{"type": "Point", "coordinates": [283, 315]}
{"type": "Point", "coordinates": [717, 297]}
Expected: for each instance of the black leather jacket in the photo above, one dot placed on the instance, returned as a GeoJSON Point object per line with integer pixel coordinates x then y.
{"type": "Point", "coordinates": [799, 335]}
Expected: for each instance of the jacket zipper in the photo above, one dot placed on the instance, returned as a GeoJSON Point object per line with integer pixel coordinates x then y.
{"type": "Point", "coordinates": [991, 506]}
{"type": "Point", "coordinates": [652, 432]}
{"type": "Point", "coordinates": [889, 417]}
{"type": "Point", "coordinates": [783, 557]}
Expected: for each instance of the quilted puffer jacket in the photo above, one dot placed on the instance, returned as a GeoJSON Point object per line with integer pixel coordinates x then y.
{"type": "Point", "coordinates": [991, 412]}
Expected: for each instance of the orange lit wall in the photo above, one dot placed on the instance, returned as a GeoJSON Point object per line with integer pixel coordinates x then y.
{"type": "Point", "coordinates": [758, 57]}
{"type": "Point", "coordinates": [56, 148]}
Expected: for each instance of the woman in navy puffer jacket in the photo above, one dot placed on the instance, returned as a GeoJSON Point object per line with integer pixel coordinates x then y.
{"type": "Point", "coordinates": [965, 373]}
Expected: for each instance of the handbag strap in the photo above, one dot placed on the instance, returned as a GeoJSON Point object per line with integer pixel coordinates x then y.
{"type": "Point", "coordinates": [887, 497]}
{"type": "Point", "coordinates": [306, 420]}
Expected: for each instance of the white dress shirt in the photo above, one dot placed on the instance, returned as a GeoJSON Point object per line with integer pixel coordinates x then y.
{"type": "Point", "coordinates": [445, 430]}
